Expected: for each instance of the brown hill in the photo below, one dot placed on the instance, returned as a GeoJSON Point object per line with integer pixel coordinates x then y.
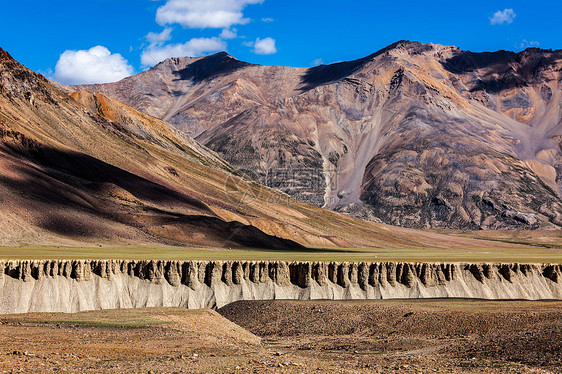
{"type": "Point", "coordinates": [418, 135]}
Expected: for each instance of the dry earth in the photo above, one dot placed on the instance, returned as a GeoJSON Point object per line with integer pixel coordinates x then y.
{"type": "Point", "coordinates": [412, 335]}
{"type": "Point", "coordinates": [425, 336]}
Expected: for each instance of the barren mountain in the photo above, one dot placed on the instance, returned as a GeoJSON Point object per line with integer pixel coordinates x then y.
{"type": "Point", "coordinates": [418, 135]}
{"type": "Point", "coordinates": [85, 169]}
{"type": "Point", "coordinates": [188, 92]}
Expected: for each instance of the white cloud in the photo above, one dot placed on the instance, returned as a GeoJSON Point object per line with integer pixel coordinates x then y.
{"type": "Point", "coordinates": [95, 65]}
{"type": "Point", "coordinates": [267, 19]}
{"type": "Point", "coordinates": [529, 43]}
{"type": "Point", "coordinates": [159, 38]}
{"type": "Point", "coordinates": [193, 48]}
{"type": "Point", "coordinates": [503, 16]}
{"type": "Point", "coordinates": [265, 46]}
{"type": "Point", "coordinates": [228, 34]}
{"type": "Point", "coordinates": [204, 13]}
{"type": "Point", "coordinates": [316, 62]}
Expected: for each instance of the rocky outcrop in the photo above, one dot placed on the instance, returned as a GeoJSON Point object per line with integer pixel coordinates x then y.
{"type": "Point", "coordinates": [72, 286]}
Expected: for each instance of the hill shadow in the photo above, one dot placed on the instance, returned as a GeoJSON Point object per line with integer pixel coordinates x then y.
{"type": "Point", "coordinates": [502, 70]}
{"type": "Point", "coordinates": [58, 183]}
{"type": "Point", "coordinates": [82, 170]}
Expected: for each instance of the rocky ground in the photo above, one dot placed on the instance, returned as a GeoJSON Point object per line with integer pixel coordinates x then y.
{"type": "Point", "coordinates": [414, 336]}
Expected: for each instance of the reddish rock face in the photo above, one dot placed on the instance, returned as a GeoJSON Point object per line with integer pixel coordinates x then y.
{"type": "Point", "coordinates": [418, 135]}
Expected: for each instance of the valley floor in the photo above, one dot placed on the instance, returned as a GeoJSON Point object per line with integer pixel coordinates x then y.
{"type": "Point", "coordinates": [385, 336]}
{"type": "Point", "coordinates": [536, 247]}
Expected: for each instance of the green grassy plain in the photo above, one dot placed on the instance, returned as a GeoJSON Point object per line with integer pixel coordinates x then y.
{"type": "Point", "coordinates": [512, 253]}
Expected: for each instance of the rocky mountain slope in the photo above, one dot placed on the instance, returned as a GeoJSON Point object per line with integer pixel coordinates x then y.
{"type": "Point", "coordinates": [418, 135]}
{"type": "Point", "coordinates": [87, 170]}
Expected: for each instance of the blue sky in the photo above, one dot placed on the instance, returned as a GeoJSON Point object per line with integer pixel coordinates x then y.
{"type": "Point", "coordinates": [57, 38]}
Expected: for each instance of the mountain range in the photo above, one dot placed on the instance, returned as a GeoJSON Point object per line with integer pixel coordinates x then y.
{"type": "Point", "coordinates": [415, 135]}
{"type": "Point", "coordinates": [82, 169]}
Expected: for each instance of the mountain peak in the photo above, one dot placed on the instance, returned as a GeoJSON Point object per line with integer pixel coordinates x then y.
{"type": "Point", "coordinates": [208, 66]}
{"type": "Point", "coordinates": [323, 74]}
{"type": "Point", "coordinates": [5, 56]}
{"type": "Point", "coordinates": [411, 46]}
{"type": "Point", "coordinates": [185, 60]}
{"type": "Point", "coordinates": [17, 80]}
{"type": "Point", "coordinates": [219, 56]}
{"type": "Point", "coordinates": [222, 54]}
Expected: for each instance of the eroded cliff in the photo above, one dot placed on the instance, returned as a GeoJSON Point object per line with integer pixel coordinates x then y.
{"type": "Point", "coordinates": [71, 286]}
